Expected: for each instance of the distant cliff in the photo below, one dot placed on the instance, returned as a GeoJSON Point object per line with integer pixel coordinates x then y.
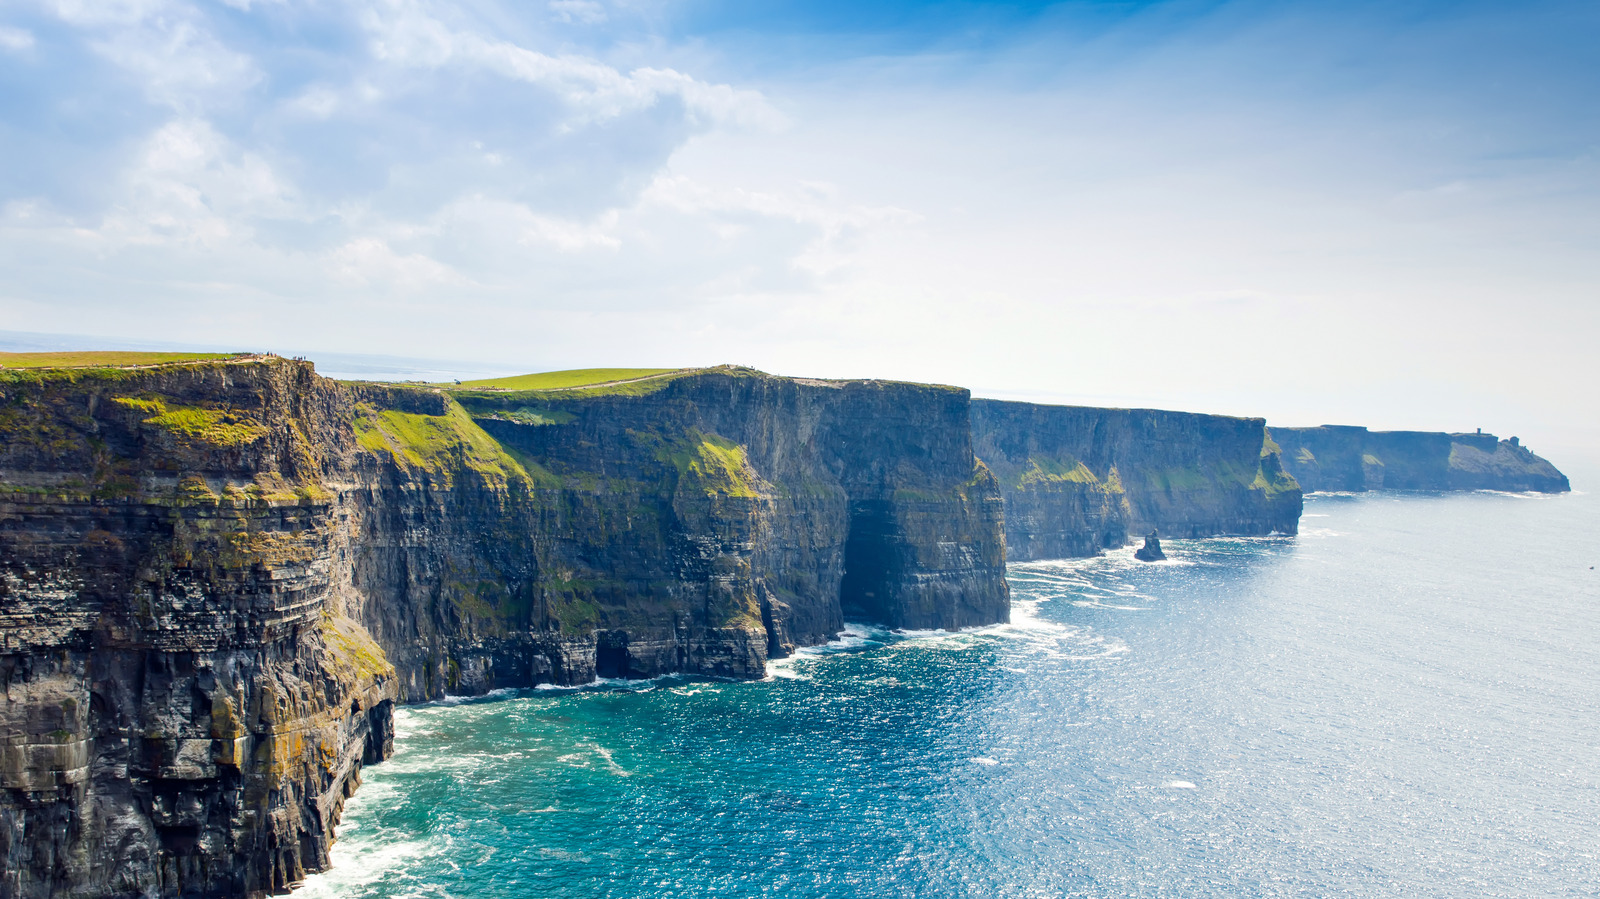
{"type": "Point", "coordinates": [216, 578]}
{"type": "Point", "coordinates": [1339, 458]}
{"type": "Point", "coordinates": [1077, 480]}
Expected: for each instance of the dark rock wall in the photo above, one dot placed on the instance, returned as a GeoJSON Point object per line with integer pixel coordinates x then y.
{"type": "Point", "coordinates": [187, 703]}
{"type": "Point", "coordinates": [216, 579]}
{"type": "Point", "coordinates": [770, 504]}
{"type": "Point", "coordinates": [1077, 480]}
{"type": "Point", "coordinates": [1343, 458]}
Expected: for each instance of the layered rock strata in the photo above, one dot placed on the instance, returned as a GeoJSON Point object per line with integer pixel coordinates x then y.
{"type": "Point", "coordinates": [188, 700]}
{"type": "Point", "coordinates": [217, 578]}
{"type": "Point", "coordinates": [1078, 480]}
{"type": "Point", "coordinates": [1342, 458]}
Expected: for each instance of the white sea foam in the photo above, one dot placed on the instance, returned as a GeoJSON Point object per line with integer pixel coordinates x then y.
{"type": "Point", "coordinates": [984, 760]}
{"type": "Point", "coordinates": [458, 699]}
{"type": "Point", "coordinates": [634, 685]}
{"type": "Point", "coordinates": [783, 669]}
{"type": "Point", "coordinates": [1178, 785]}
{"type": "Point", "coordinates": [853, 638]}
{"type": "Point", "coordinates": [569, 688]}
{"type": "Point", "coordinates": [359, 863]}
{"type": "Point", "coordinates": [605, 754]}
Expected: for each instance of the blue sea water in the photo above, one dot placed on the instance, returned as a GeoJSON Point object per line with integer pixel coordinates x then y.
{"type": "Point", "coordinates": [1403, 701]}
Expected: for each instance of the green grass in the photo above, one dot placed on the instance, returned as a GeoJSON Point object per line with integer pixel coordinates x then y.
{"type": "Point", "coordinates": [716, 464]}
{"type": "Point", "coordinates": [1274, 484]}
{"type": "Point", "coordinates": [1053, 471]}
{"type": "Point", "coordinates": [438, 443]}
{"type": "Point", "coordinates": [565, 380]}
{"type": "Point", "coordinates": [102, 359]}
{"type": "Point", "coordinates": [194, 424]}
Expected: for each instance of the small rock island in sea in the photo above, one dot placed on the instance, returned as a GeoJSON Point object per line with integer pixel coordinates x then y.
{"type": "Point", "coordinates": [219, 573]}
{"type": "Point", "coordinates": [1151, 550]}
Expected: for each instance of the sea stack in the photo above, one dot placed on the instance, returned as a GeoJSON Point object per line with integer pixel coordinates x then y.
{"type": "Point", "coordinates": [1151, 550]}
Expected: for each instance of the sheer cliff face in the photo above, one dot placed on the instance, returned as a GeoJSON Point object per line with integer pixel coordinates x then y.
{"type": "Point", "coordinates": [216, 579]}
{"type": "Point", "coordinates": [769, 505]}
{"type": "Point", "coordinates": [1077, 480]}
{"type": "Point", "coordinates": [1342, 458]}
{"type": "Point", "coordinates": [187, 703]}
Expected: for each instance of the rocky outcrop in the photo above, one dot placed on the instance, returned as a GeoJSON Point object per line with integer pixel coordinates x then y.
{"type": "Point", "coordinates": [187, 699]}
{"type": "Point", "coordinates": [1343, 458]}
{"type": "Point", "coordinates": [1078, 480]}
{"type": "Point", "coordinates": [1150, 551]}
{"type": "Point", "coordinates": [780, 504]}
{"type": "Point", "coordinates": [216, 579]}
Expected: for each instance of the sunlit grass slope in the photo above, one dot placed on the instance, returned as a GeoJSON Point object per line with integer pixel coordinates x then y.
{"type": "Point", "coordinates": [562, 380]}
{"type": "Point", "coordinates": [102, 358]}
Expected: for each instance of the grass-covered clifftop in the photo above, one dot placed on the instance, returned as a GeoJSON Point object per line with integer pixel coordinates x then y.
{"type": "Point", "coordinates": [105, 359]}
{"type": "Point", "coordinates": [571, 378]}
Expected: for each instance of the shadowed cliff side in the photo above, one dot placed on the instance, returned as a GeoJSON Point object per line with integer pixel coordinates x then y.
{"type": "Point", "coordinates": [1077, 480]}
{"type": "Point", "coordinates": [778, 504]}
{"type": "Point", "coordinates": [216, 577]}
{"type": "Point", "coordinates": [1344, 458]}
{"type": "Point", "coordinates": [187, 701]}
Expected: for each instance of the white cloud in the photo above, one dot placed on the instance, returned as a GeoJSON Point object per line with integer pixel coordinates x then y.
{"type": "Point", "coordinates": [179, 64]}
{"type": "Point", "coordinates": [404, 35]}
{"type": "Point", "coordinates": [109, 12]}
{"type": "Point", "coordinates": [15, 39]}
{"type": "Point", "coordinates": [190, 186]}
{"type": "Point", "coordinates": [319, 102]}
{"type": "Point", "coordinates": [583, 12]}
{"type": "Point", "coordinates": [369, 262]}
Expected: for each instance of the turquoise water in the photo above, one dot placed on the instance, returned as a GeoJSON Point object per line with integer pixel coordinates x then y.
{"type": "Point", "coordinates": [1404, 701]}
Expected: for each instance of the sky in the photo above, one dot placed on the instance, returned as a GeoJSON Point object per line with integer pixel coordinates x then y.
{"type": "Point", "coordinates": [1380, 213]}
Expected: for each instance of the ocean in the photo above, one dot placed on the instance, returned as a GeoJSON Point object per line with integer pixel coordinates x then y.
{"type": "Point", "coordinates": [1402, 701]}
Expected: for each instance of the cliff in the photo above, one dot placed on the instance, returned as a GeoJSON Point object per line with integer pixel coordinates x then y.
{"type": "Point", "coordinates": [1077, 480]}
{"type": "Point", "coordinates": [1342, 458]}
{"type": "Point", "coordinates": [187, 699]}
{"type": "Point", "coordinates": [216, 578]}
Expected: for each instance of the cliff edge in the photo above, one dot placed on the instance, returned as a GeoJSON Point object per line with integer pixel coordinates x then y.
{"type": "Point", "coordinates": [1344, 458]}
{"type": "Point", "coordinates": [1078, 480]}
{"type": "Point", "coordinates": [218, 576]}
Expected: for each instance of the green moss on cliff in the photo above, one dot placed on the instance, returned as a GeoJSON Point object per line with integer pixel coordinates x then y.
{"type": "Point", "coordinates": [714, 463]}
{"type": "Point", "coordinates": [1198, 478]}
{"type": "Point", "coordinates": [440, 444]}
{"type": "Point", "coordinates": [354, 652]}
{"type": "Point", "coordinates": [1274, 483]}
{"type": "Point", "coordinates": [1046, 473]}
{"type": "Point", "coordinates": [1043, 470]}
{"type": "Point", "coordinates": [216, 427]}
{"type": "Point", "coordinates": [536, 417]}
